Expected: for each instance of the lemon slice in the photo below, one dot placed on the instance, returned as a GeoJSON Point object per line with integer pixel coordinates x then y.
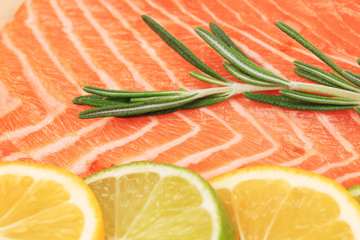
{"type": "Point", "coordinates": [272, 203]}
{"type": "Point", "coordinates": [45, 202]}
{"type": "Point", "coordinates": [147, 200]}
{"type": "Point", "coordinates": [355, 192]}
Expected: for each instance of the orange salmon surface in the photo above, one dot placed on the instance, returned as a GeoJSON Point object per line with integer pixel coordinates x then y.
{"type": "Point", "coordinates": [53, 48]}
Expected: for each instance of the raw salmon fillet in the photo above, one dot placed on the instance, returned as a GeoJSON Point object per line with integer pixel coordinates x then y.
{"type": "Point", "coordinates": [53, 48]}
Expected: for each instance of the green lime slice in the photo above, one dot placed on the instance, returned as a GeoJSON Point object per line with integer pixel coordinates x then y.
{"type": "Point", "coordinates": [355, 192]}
{"type": "Point", "coordinates": [147, 200]}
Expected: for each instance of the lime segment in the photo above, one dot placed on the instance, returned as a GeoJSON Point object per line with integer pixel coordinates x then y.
{"type": "Point", "coordinates": [147, 200]}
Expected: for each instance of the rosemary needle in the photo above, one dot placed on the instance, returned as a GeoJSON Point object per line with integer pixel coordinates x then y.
{"type": "Point", "coordinates": [330, 92]}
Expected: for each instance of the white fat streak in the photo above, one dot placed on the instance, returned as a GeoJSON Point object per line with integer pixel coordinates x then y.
{"type": "Point", "coordinates": [19, 133]}
{"type": "Point", "coordinates": [301, 178]}
{"type": "Point", "coordinates": [342, 141]}
{"type": "Point", "coordinates": [82, 163]}
{"type": "Point", "coordinates": [239, 162]}
{"type": "Point", "coordinates": [237, 137]}
{"type": "Point", "coordinates": [14, 157]}
{"type": "Point", "coordinates": [111, 46]}
{"type": "Point", "coordinates": [153, 153]}
{"type": "Point", "coordinates": [252, 54]}
{"type": "Point", "coordinates": [50, 103]}
{"type": "Point", "coordinates": [309, 145]}
{"type": "Point", "coordinates": [31, 24]}
{"type": "Point", "coordinates": [264, 18]}
{"type": "Point", "coordinates": [299, 160]}
{"type": "Point", "coordinates": [7, 103]}
{"type": "Point", "coordinates": [349, 11]}
{"type": "Point", "coordinates": [246, 50]}
{"type": "Point", "coordinates": [347, 176]}
{"type": "Point", "coordinates": [145, 45]}
{"type": "Point", "coordinates": [310, 11]}
{"type": "Point", "coordinates": [65, 142]}
{"type": "Point", "coordinates": [307, 141]}
{"type": "Point", "coordinates": [297, 49]}
{"type": "Point", "coordinates": [198, 157]}
{"type": "Point", "coordinates": [249, 36]}
{"type": "Point", "coordinates": [53, 107]}
{"type": "Point", "coordinates": [269, 67]}
{"type": "Point", "coordinates": [173, 18]}
{"type": "Point", "coordinates": [355, 117]}
{"type": "Point", "coordinates": [330, 28]}
{"type": "Point", "coordinates": [89, 158]}
{"type": "Point", "coordinates": [137, 76]}
{"type": "Point", "coordinates": [68, 29]}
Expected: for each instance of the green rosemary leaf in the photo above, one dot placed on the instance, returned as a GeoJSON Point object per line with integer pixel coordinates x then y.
{"type": "Point", "coordinates": [131, 109]}
{"type": "Point", "coordinates": [312, 77]}
{"type": "Point", "coordinates": [154, 113]}
{"type": "Point", "coordinates": [308, 97]}
{"type": "Point", "coordinates": [358, 60]}
{"type": "Point", "coordinates": [127, 94]}
{"type": "Point", "coordinates": [253, 65]}
{"type": "Point", "coordinates": [285, 102]}
{"type": "Point", "coordinates": [180, 48]}
{"type": "Point", "coordinates": [206, 101]}
{"type": "Point", "coordinates": [207, 79]}
{"type": "Point", "coordinates": [243, 77]}
{"type": "Point", "coordinates": [300, 39]}
{"type": "Point", "coordinates": [357, 109]}
{"type": "Point", "coordinates": [241, 63]}
{"type": "Point", "coordinates": [164, 99]}
{"type": "Point", "coordinates": [99, 102]}
{"type": "Point", "coordinates": [336, 75]}
{"type": "Point", "coordinates": [78, 101]}
{"type": "Point", "coordinates": [352, 77]}
{"type": "Point", "coordinates": [198, 103]}
{"type": "Point", "coordinates": [326, 76]}
{"type": "Point", "coordinates": [302, 96]}
{"type": "Point", "coordinates": [218, 32]}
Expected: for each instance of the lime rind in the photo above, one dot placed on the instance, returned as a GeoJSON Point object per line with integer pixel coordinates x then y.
{"type": "Point", "coordinates": [355, 192]}
{"type": "Point", "coordinates": [223, 227]}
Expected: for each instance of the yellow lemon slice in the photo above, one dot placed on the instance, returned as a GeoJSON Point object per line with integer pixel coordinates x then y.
{"type": "Point", "coordinates": [44, 202]}
{"type": "Point", "coordinates": [147, 200]}
{"type": "Point", "coordinates": [272, 203]}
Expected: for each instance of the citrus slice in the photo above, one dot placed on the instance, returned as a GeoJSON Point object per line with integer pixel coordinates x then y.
{"type": "Point", "coordinates": [355, 192]}
{"type": "Point", "coordinates": [272, 203]}
{"type": "Point", "coordinates": [148, 200]}
{"type": "Point", "coordinates": [45, 202]}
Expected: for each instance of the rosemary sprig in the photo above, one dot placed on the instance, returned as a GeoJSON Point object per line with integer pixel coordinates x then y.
{"type": "Point", "coordinates": [285, 102]}
{"type": "Point", "coordinates": [339, 90]}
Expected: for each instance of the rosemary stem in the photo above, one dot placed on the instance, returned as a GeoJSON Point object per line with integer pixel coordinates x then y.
{"type": "Point", "coordinates": [240, 88]}
{"type": "Point", "coordinates": [236, 88]}
{"type": "Point", "coordinates": [211, 91]}
{"type": "Point", "coordinates": [316, 88]}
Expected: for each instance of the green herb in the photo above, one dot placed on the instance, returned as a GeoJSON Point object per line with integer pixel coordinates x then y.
{"type": "Point", "coordinates": [332, 91]}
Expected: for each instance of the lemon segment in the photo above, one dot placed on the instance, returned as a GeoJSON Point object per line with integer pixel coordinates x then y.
{"type": "Point", "coordinates": [45, 202]}
{"type": "Point", "coordinates": [272, 202]}
{"type": "Point", "coordinates": [147, 200]}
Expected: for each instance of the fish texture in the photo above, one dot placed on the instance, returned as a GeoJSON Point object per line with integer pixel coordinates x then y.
{"type": "Point", "coordinates": [52, 48]}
